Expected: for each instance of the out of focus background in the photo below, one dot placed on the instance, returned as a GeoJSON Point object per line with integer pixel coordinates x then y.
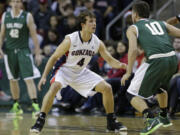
{"type": "Point", "coordinates": [56, 18]}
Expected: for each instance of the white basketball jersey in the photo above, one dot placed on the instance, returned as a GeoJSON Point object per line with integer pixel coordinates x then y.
{"type": "Point", "coordinates": [80, 53]}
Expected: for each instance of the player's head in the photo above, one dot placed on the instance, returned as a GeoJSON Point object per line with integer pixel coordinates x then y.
{"type": "Point", "coordinates": [140, 9]}
{"type": "Point", "coordinates": [87, 20]}
{"type": "Point", "coordinates": [16, 4]}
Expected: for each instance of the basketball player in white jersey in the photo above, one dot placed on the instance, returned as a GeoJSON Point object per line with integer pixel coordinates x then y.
{"type": "Point", "coordinates": [79, 47]}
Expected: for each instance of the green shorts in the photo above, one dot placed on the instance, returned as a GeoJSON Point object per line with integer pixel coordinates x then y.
{"type": "Point", "coordinates": [19, 63]}
{"type": "Point", "coordinates": [153, 75]}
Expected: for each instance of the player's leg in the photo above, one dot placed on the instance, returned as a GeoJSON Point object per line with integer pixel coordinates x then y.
{"type": "Point", "coordinates": [29, 72]}
{"type": "Point", "coordinates": [140, 89]}
{"type": "Point", "coordinates": [49, 97]}
{"type": "Point", "coordinates": [135, 103]}
{"type": "Point", "coordinates": [108, 102]}
{"type": "Point", "coordinates": [162, 94]}
{"type": "Point", "coordinates": [46, 106]}
{"type": "Point", "coordinates": [15, 91]}
{"type": "Point", "coordinates": [57, 82]}
{"type": "Point", "coordinates": [162, 97]}
{"type": "Point", "coordinates": [14, 87]}
{"type": "Point", "coordinates": [12, 70]}
{"type": "Point", "coordinates": [86, 82]}
{"type": "Point", "coordinates": [33, 95]}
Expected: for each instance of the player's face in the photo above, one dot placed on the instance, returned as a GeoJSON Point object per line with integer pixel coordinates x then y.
{"type": "Point", "coordinates": [90, 24]}
{"type": "Point", "coordinates": [16, 4]}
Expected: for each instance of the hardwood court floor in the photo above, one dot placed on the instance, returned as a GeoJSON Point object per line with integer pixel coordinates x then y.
{"type": "Point", "coordinates": [76, 125]}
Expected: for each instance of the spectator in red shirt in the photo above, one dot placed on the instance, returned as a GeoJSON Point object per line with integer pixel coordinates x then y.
{"type": "Point", "coordinates": [122, 52]}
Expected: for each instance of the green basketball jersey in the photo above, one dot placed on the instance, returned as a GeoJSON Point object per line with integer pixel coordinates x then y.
{"type": "Point", "coordinates": [17, 32]}
{"type": "Point", "coordinates": [153, 37]}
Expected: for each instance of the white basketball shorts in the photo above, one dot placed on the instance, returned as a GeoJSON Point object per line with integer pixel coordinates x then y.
{"type": "Point", "coordinates": [83, 82]}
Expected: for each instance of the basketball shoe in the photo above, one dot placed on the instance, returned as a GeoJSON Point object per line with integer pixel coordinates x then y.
{"type": "Point", "coordinates": [16, 109]}
{"type": "Point", "coordinates": [36, 109]}
{"type": "Point", "coordinates": [165, 121]}
{"type": "Point", "coordinates": [114, 125]}
{"type": "Point", "coordinates": [37, 127]}
{"type": "Point", "coordinates": [151, 125]}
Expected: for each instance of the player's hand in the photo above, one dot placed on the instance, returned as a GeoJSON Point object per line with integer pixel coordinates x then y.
{"type": "Point", "coordinates": [124, 78]}
{"type": "Point", "coordinates": [123, 66]}
{"type": "Point", "coordinates": [1, 54]}
{"type": "Point", "coordinates": [38, 59]}
{"type": "Point", "coordinates": [41, 82]}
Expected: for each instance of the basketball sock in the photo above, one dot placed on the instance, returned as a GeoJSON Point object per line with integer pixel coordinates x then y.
{"type": "Point", "coordinates": [163, 112]}
{"type": "Point", "coordinates": [34, 100]}
{"type": "Point", "coordinates": [15, 101]}
{"type": "Point", "coordinates": [148, 114]}
{"type": "Point", "coordinates": [110, 116]}
{"type": "Point", "coordinates": [42, 115]}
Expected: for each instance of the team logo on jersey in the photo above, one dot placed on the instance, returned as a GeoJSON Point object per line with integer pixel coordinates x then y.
{"type": "Point", "coordinates": [83, 52]}
{"type": "Point", "coordinates": [14, 25]}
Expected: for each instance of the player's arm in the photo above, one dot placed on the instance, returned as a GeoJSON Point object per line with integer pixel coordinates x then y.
{"type": "Point", "coordinates": [109, 59]}
{"type": "Point", "coordinates": [2, 35]}
{"type": "Point", "coordinates": [60, 51]}
{"type": "Point", "coordinates": [133, 48]}
{"type": "Point", "coordinates": [174, 20]}
{"type": "Point", "coordinates": [173, 31]}
{"type": "Point", "coordinates": [32, 30]}
{"type": "Point", "coordinates": [132, 52]}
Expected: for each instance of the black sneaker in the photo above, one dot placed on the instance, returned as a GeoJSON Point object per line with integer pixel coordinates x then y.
{"type": "Point", "coordinates": [115, 126]}
{"type": "Point", "coordinates": [38, 125]}
{"type": "Point", "coordinates": [165, 121]}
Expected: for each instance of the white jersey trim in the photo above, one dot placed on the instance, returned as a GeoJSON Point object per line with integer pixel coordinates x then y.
{"type": "Point", "coordinates": [27, 18]}
{"type": "Point", "coordinates": [136, 30]}
{"type": "Point", "coordinates": [3, 18]}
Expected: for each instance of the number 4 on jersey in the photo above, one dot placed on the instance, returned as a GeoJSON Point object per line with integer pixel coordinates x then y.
{"type": "Point", "coordinates": [81, 62]}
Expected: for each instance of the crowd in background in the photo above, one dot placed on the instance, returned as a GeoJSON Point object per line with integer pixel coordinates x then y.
{"type": "Point", "coordinates": [56, 18]}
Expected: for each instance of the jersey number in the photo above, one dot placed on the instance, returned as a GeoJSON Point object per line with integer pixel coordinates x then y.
{"type": "Point", "coordinates": [14, 33]}
{"type": "Point", "coordinates": [81, 62]}
{"type": "Point", "coordinates": [155, 28]}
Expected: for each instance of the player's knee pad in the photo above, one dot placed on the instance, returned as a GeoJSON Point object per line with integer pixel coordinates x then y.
{"type": "Point", "coordinates": [129, 96]}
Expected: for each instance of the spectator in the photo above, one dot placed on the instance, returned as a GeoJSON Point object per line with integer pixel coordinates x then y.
{"type": "Point", "coordinates": [33, 6]}
{"type": "Point", "coordinates": [50, 42]}
{"type": "Point", "coordinates": [70, 24]}
{"type": "Point", "coordinates": [122, 52]}
{"type": "Point", "coordinates": [114, 78]}
{"type": "Point", "coordinates": [63, 8]}
{"type": "Point", "coordinates": [42, 16]}
{"type": "Point", "coordinates": [106, 7]}
{"type": "Point", "coordinates": [79, 7]}
{"type": "Point", "coordinates": [55, 24]}
{"type": "Point", "coordinates": [111, 47]}
{"type": "Point", "coordinates": [174, 92]}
